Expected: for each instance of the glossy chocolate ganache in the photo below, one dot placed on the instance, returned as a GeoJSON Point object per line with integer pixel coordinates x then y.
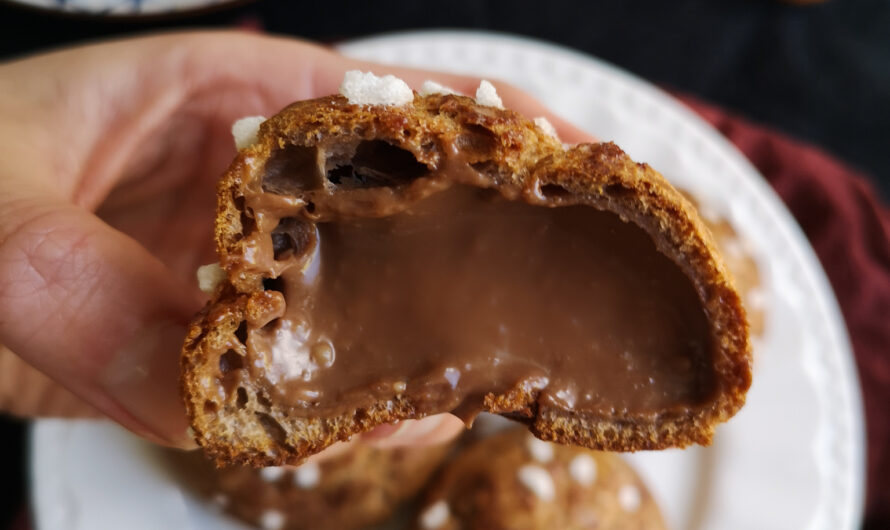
{"type": "Point", "coordinates": [387, 278]}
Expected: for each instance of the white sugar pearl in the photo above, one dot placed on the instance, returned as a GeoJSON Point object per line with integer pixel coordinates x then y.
{"type": "Point", "coordinates": [629, 498]}
{"type": "Point", "coordinates": [435, 515]}
{"type": "Point", "coordinates": [538, 480]}
{"type": "Point", "coordinates": [307, 475]}
{"type": "Point", "coordinates": [431, 87]}
{"type": "Point", "coordinates": [272, 520]}
{"type": "Point", "coordinates": [271, 474]}
{"type": "Point", "coordinates": [582, 468]}
{"type": "Point", "coordinates": [539, 449]}
{"type": "Point", "coordinates": [546, 127]}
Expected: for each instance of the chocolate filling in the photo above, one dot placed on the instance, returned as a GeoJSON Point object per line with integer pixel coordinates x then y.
{"type": "Point", "coordinates": [432, 285]}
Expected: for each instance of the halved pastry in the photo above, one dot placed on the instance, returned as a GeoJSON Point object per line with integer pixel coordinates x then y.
{"type": "Point", "coordinates": [432, 254]}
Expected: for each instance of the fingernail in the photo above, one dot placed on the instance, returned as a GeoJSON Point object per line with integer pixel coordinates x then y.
{"type": "Point", "coordinates": [386, 430]}
{"type": "Point", "coordinates": [413, 429]}
{"type": "Point", "coordinates": [331, 451]}
{"type": "Point", "coordinates": [403, 429]}
{"type": "Point", "coordinates": [143, 379]}
{"type": "Point", "coordinates": [427, 425]}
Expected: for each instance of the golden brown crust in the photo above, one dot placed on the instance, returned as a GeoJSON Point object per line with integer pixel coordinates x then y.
{"type": "Point", "coordinates": [516, 155]}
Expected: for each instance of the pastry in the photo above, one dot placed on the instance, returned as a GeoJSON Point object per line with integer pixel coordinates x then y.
{"type": "Point", "coordinates": [354, 489]}
{"type": "Point", "coordinates": [388, 255]}
{"type": "Point", "coordinates": [515, 481]}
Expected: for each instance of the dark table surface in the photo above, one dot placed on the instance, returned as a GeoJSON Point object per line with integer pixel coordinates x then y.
{"type": "Point", "coordinates": [819, 73]}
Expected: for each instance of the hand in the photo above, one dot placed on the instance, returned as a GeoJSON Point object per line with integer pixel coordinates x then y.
{"type": "Point", "coordinates": [108, 158]}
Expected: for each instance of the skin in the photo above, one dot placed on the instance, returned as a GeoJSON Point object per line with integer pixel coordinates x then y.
{"type": "Point", "coordinates": [109, 154]}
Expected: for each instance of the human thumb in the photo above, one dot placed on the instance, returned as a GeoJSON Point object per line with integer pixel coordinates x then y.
{"type": "Point", "coordinates": [92, 309]}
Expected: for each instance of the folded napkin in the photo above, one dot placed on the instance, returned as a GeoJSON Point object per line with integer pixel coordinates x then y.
{"type": "Point", "coordinates": [850, 231]}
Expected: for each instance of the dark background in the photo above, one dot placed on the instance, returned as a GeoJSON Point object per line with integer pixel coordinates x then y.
{"type": "Point", "coordinates": [820, 73]}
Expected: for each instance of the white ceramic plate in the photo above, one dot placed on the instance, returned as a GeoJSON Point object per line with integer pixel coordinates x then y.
{"type": "Point", "coordinates": [120, 7]}
{"type": "Point", "coordinates": [792, 458]}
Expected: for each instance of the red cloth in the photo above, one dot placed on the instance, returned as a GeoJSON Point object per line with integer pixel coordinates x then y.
{"type": "Point", "coordinates": [850, 231]}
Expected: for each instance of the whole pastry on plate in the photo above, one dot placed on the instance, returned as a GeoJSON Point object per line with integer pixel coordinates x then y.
{"type": "Point", "coordinates": [357, 487]}
{"type": "Point", "coordinates": [385, 254]}
{"type": "Point", "coordinates": [515, 481]}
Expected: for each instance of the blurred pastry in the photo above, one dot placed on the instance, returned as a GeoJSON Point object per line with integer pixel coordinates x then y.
{"type": "Point", "coordinates": [356, 488]}
{"type": "Point", "coordinates": [515, 481]}
{"type": "Point", "coordinates": [739, 258]}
